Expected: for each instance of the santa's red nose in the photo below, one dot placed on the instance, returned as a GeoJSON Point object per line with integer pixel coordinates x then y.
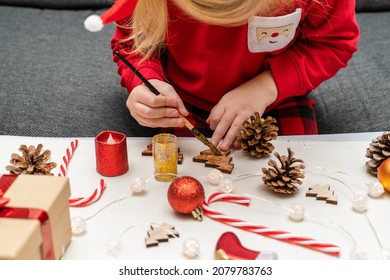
{"type": "Point", "coordinates": [276, 34]}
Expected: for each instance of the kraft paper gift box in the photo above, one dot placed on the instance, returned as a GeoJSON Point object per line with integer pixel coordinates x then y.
{"type": "Point", "coordinates": [42, 229]}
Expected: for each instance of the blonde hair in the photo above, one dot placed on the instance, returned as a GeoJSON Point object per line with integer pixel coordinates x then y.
{"type": "Point", "coordinates": [149, 23]}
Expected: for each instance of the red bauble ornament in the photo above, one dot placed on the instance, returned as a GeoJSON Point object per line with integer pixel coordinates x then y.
{"type": "Point", "coordinates": [185, 194]}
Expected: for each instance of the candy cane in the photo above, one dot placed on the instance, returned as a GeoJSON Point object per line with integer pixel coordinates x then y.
{"type": "Point", "coordinates": [262, 230]}
{"type": "Point", "coordinates": [85, 201]}
{"type": "Point", "coordinates": [67, 157]}
{"type": "Point", "coordinates": [79, 201]}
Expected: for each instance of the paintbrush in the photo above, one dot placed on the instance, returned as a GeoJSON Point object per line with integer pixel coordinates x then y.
{"type": "Point", "coordinates": [201, 137]}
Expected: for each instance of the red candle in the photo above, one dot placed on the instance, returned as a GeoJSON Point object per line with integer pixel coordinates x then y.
{"type": "Point", "coordinates": [111, 153]}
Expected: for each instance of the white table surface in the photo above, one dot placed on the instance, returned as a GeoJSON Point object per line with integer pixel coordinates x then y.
{"type": "Point", "coordinates": [342, 152]}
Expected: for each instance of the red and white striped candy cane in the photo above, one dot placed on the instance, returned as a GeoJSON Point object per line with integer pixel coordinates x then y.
{"type": "Point", "coordinates": [67, 157]}
{"type": "Point", "coordinates": [79, 201]}
{"type": "Point", "coordinates": [85, 201]}
{"type": "Point", "coordinates": [262, 230]}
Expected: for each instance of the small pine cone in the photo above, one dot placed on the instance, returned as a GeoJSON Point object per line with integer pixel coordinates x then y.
{"type": "Point", "coordinates": [31, 162]}
{"type": "Point", "coordinates": [256, 133]}
{"type": "Point", "coordinates": [378, 152]}
{"type": "Point", "coordinates": [284, 179]}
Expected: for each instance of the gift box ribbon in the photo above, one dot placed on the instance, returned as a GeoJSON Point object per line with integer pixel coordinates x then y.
{"type": "Point", "coordinates": [27, 213]}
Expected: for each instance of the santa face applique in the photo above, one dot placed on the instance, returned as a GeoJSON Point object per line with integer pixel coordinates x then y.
{"type": "Point", "coordinates": [268, 34]}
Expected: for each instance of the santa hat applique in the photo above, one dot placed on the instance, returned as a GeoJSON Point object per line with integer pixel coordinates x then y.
{"type": "Point", "coordinates": [118, 11]}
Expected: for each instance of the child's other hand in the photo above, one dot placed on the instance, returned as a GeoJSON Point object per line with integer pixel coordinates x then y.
{"type": "Point", "coordinates": [237, 106]}
{"type": "Point", "coordinates": [156, 110]}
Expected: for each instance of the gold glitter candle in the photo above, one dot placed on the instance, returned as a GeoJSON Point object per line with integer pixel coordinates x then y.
{"type": "Point", "coordinates": [165, 153]}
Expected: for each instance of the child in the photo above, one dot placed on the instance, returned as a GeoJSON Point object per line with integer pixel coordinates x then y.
{"type": "Point", "coordinates": [217, 62]}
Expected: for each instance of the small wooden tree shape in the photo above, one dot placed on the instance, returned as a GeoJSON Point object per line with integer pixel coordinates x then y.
{"type": "Point", "coordinates": [322, 193]}
{"type": "Point", "coordinates": [160, 233]}
{"type": "Point", "coordinates": [223, 163]}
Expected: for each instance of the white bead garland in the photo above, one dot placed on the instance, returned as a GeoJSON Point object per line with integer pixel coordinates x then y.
{"type": "Point", "coordinates": [226, 185]}
{"type": "Point", "coordinates": [191, 248]}
{"type": "Point", "coordinates": [296, 212]}
{"type": "Point", "coordinates": [358, 253]}
{"type": "Point", "coordinates": [214, 177]}
{"type": "Point", "coordinates": [137, 184]}
{"type": "Point", "coordinates": [113, 247]}
{"type": "Point", "coordinates": [375, 189]}
{"type": "Point", "coordinates": [360, 203]}
{"type": "Point", "coordinates": [384, 254]}
{"type": "Point", "coordinates": [78, 225]}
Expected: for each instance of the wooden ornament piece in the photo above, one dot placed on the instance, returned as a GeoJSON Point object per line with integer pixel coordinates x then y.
{"type": "Point", "coordinates": [223, 163]}
{"type": "Point", "coordinates": [160, 233]}
{"type": "Point", "coordinates": [322, 193]}
{"type": "Point", "coordinates": [149, 152]}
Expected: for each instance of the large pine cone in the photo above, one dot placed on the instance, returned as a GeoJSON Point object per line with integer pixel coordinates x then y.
{"type": "Point", "coordinates": [378, 152]}
{"type": "Point", "coordinates": [256, 133]}
{"type": "Point", "coordinates": [285, 178]}
{"type": "Point", "coordinates": [32, 161]}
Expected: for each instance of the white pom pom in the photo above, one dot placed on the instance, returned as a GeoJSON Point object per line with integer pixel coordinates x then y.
{"type": "Point", "coordinates": [93, 23]}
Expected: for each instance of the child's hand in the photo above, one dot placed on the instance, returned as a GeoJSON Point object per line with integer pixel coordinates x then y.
{"type": "Point", "coordinates": [156, 110]}
{"type": "Point", "coordinates": [237, 106]}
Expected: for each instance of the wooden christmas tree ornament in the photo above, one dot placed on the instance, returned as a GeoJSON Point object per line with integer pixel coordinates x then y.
{"type": "Point", "coordinates": [322, 193]}
{"type": "Point", "coordinates": [160, 233]}
{"type": "Point", "coordinates": [223, 163]}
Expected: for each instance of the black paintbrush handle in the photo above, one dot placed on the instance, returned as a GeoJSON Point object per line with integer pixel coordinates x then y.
{"type": "Point", "coordinates": [136, 72]}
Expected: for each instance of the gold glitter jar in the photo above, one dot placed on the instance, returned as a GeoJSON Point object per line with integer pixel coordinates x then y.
{"type": "Point", "coordinates": [165, 154]}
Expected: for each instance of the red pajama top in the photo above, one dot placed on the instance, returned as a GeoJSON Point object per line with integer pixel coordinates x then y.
{"type": "Point", "coordinates": [302, 48]}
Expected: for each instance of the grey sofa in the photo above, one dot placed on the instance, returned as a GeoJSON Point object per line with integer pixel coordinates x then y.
{"type": "Point", "coordinates": [58, 80]}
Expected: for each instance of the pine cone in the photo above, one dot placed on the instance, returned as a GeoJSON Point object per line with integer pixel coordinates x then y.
{"type": "Point", "coordinates": [378, 151]}
{"type": "Point", "coordinates": [284, 179]}
{"type": "Point", "coordinates": [256, 133]}
{"type": "Point", "coordinates": [32, 161]}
